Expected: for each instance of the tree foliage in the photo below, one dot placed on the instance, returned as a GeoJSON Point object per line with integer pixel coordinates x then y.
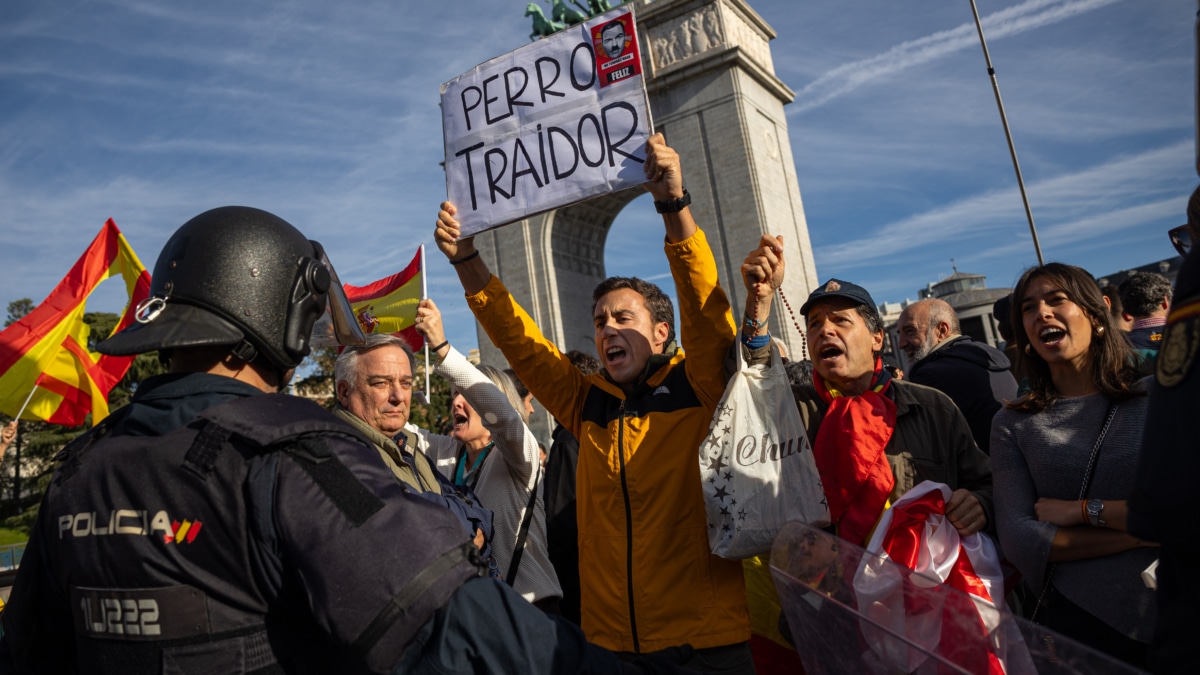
{"type": "Point", "coordinates": [18, 309]}
{"type": "Point", "coordinates": [38, 442]}
{"type": "Point", "coordinates": [436, 413]}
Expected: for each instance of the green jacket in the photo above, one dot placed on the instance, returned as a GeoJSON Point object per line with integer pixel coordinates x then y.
{"type": "Point", "coordinates": [421, 479]}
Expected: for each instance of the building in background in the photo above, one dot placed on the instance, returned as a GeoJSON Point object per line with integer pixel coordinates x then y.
{"type": "Point", "coordinates": [1168, 267]}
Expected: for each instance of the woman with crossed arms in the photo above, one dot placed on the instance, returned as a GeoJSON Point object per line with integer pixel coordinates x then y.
{"type": "Point", "coordinates": [1078, 429]}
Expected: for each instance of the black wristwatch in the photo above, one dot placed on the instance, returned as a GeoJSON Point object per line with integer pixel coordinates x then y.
{"type": "Point", "coordinates": [1094, 508]}
{"type": "Point", "coordinates": [673, 205]}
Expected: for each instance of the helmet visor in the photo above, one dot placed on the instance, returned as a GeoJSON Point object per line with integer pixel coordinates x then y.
{"type": "Point", "coordinates": [337, 326]}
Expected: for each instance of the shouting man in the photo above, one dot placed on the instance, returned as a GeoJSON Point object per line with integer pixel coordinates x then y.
{"type": "Point", "coordinates": [649, 581]}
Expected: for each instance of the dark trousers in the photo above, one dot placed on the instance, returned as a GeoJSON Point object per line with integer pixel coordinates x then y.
{"type": "Point", "coordinates": [1064, 616]}
{"type": "Point", "coordinates": [734, 659]}
{"type": "Point", "coordinates": [1178, 621]}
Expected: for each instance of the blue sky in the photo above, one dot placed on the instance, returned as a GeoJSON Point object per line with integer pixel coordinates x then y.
{"type": "Point", "coordinates": [150, 112]}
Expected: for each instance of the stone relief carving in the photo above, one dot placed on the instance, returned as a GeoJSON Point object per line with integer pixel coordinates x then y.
{"type": "Point", "coordinates": [771, 143]}
{"type": "Point", "coordinates": [742, 34]}
{"type": "Point", "coordinates": [686, 36]}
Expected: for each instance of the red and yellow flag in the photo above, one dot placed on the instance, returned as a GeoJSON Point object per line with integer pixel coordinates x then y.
{"type": "Point", "coordinates": [390, 304]}
{"type": "Point", "coordinates": [47, 350]}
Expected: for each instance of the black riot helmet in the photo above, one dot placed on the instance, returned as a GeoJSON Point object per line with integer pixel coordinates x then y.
{"type": "Point", "coordinates": [241, 277]}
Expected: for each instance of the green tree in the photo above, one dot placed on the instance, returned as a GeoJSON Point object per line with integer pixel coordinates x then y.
{"type": "Point", "coordinates": [18, 309]}
{"type": "Point", "coordinates": [38, 442]}
{"type": "Point", "coordinates": [436, 413]}
{"type": "Point", "coordinates": [317, 384]}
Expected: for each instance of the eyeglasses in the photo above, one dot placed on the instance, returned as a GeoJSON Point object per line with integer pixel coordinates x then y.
{"type": "Point", "coordinates": [1181, 238]}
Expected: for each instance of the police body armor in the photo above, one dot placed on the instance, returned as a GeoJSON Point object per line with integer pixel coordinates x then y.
{"type": "Point", "coordinates": [195, 551]}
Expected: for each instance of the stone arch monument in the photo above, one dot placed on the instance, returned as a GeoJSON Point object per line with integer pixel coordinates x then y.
{"type": "Point", "coordinates": [714, 95]}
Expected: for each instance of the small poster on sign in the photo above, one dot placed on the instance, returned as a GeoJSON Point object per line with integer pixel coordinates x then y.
{"type": "Point", "coordinates": [617, 56]}
{"type": "Point", "coordinates": [553, 123]}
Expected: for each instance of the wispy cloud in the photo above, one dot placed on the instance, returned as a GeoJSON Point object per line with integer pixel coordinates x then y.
{"type": "Point", "coordinates": [1007, 22]}
{"type": "Point", "coordinates": [1072, 205]}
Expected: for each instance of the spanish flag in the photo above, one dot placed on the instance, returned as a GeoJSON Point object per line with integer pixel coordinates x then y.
{"type": "Point", "coordinates": [390, 304]}
{"type": "Point", "coordinates": [47, 350]}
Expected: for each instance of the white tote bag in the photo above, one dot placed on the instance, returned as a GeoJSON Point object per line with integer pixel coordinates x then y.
{"type": "Point", "coordinates": [756, 463]}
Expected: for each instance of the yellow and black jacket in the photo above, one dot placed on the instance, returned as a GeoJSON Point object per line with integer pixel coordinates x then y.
{"type": "Point", "coordinates": [647, 576]}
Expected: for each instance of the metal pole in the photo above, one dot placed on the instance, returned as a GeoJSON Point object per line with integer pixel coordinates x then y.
{"type": "Point", "coordinates": [20, 440]}
{"type": "Point", "coordinates": [425, 294]}
{"type": "Point", "coordinates": [1012, 149]}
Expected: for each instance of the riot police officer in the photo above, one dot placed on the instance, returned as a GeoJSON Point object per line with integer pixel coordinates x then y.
{"type": "Point", "coordinates": [215, 526]}
{"type": "Point", "coordinates": [1162, 507]}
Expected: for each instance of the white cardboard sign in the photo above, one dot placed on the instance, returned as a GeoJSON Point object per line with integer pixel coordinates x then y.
{"type": "Point", "coordinates": [550, 124]}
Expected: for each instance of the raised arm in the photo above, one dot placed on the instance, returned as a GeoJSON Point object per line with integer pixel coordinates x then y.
{"type": "Point", "coordinates": [666, 185]}
{"type": "Point", "coordinates": [462, 254]}
{"type": "Point", "coordinates": [7, 434]}
{"type": "Point", "coordinates": [513, 439]}
{"type": "Point", "coordinates": [706, 324]}
{"type": "Point", "coordinates": [539, 364]}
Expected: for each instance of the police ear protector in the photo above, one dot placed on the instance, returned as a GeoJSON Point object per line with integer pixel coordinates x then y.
{"type": "Point", "coordinates": [306, 302]}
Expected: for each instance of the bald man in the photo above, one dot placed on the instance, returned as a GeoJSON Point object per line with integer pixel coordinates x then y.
{"type": "Point", "coordinates": [974, 375]}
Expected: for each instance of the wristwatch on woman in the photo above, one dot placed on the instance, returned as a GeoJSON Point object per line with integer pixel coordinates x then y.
{"type": "Point", "coordinates": [1094, 507]}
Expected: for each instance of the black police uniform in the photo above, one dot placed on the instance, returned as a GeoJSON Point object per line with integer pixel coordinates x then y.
{"type": "Point", "coordinates": [1163, 507]}
{"type": "Point", "coordinates": [210, 528]}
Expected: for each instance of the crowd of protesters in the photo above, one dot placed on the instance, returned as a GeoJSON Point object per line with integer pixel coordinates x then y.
{"type": "Point", "coordinates": [1039, 443]}
{"type": "Point", "coordinates": [1061, 411]}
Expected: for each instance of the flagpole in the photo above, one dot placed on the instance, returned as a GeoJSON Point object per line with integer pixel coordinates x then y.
{"type": "Point", "coordinates": [425, 294]}
{"type": "Point", "coordinates": [29, 398]}
{"type": "Point", "coordinates": [1012, 149]}
{"type": "Point", "coordinates": [20, 442]}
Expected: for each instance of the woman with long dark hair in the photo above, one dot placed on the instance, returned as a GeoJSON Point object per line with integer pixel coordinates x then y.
{"type": "Point", "coordinates": [1063, 461]}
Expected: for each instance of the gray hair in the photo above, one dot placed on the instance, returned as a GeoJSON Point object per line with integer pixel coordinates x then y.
{"type": "Point", "coordinates": [505, 384]}
{"type": "Point", "coordinates": [940, 311]}
{"type": "Point", "coordinates": [345, 369]}
{"type": "Point", "coordinates": [1142, 293]}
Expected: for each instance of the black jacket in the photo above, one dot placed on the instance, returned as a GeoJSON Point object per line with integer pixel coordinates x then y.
{"type": "Point", "coordinates": [975, 376]}
{"type": "Point", "coordinates": [562, 530]}
{"type": "Point", "coordinates": [1162, 507]}
{"type": "Point", "coordinates": [210, 528]}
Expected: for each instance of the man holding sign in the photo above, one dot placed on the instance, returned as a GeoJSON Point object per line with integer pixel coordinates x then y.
{"type": "Point", "coordinates": [649, 581]}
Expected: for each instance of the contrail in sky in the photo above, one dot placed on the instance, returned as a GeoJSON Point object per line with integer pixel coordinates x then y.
{"type": "Point", "coordinates": [1012, 21]}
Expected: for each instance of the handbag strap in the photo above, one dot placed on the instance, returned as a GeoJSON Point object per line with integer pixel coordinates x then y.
{"type": "Point", "coordinates": [1083, 489]}
{"type": "Point", "coordinates": [1091, 465]}
{"type": "Point", "coordinates": [523, 533]}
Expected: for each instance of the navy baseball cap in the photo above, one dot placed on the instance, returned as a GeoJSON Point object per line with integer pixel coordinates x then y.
{"type": "Point", "coordinates": [836, 288]}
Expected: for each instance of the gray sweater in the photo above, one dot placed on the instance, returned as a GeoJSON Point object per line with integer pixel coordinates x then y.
{"type": "Point", "coordinates": [1045, 455]}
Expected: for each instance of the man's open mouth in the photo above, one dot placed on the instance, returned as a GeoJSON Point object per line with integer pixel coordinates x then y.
{"type": "Point", "coordinates": [831, 352]}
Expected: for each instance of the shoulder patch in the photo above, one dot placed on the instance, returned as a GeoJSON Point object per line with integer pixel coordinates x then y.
{"type": "Point", "coordinates": [1180, 343]}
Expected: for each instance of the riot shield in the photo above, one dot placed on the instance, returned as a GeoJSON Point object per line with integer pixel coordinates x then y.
{"type": "Point", "coordinates": [850, 611]}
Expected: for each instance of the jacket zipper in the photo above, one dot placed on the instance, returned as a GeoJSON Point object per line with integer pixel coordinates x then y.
{"type": "Point", "coordinates": [628, 527]}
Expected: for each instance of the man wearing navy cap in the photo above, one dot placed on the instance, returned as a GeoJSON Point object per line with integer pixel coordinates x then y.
{"type": "Point", "coordinates": [896, 432]}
